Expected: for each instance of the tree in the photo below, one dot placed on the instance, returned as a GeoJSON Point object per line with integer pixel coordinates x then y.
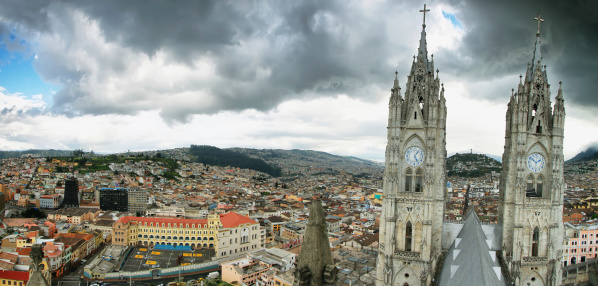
{"type": "Point", "coordinates": [77, 153]}
{"type": "Point", "coordinates": [34, 213]}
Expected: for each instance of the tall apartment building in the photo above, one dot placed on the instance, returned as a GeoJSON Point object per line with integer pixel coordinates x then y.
{"type": "Point", "coordinates": [71, 193]}
{"type": "Point", "coordinates": [228, 234]}
{"type": "Point", "coordinates": [114, 199]}
{"type": "Point", "coordinates": [137, 200]}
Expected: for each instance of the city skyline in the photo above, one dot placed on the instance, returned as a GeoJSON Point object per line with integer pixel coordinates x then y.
{"type": "Point", "coordinates": [111, 76]}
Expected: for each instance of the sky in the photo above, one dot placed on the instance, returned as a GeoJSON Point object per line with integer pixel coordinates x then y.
{"type": "Point", "coordinates": [112, 76]}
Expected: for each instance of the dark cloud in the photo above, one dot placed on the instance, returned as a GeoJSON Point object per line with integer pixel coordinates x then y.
{"type": "Point", "coordinates": [305, 47]}
{"type": "Point", "coordinates": [268, 52]}
{"type": "Point", "coordinates": [500, 41]}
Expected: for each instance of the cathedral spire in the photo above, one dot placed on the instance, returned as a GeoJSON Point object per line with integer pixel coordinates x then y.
{"type": "Point", "coordinates": [422, 54]}
{"type": "Point", "coordinates": [314, 263]}
{"type": "Point", "coordinates": [537, 45]}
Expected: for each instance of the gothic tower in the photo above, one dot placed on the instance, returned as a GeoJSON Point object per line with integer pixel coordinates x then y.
{"type": "Point", "coordinates": [531, 184]}
{"type": "Point", "coordinates": [414, 178]}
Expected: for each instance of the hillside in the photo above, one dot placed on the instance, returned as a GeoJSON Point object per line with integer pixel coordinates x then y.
{"type": "Point", "coordinates": [214, 156]}
{"type": "Point", "coordinates": [589, 154]}
{"type": "Point", "coordinates": [471, 165]}
{"type": "Point", "coordinates": [308, 162]}
{"type": "Point", "coordinates": [36, 153]}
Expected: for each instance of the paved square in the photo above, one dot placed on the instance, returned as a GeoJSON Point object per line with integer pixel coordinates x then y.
{"type": "Point", "coordinates": [144, 259]}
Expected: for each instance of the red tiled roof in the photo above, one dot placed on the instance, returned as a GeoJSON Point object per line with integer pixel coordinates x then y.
{"type": "Point", "coordinates": [9, 256]}
{"type": "Point", "coordinates": [178, 221]}
{"type": "Point", "coordinates": [32, 234]}
{"type": "Point", "coordinates": [24, 251]}
{"type": "Point", "coordinates": [234, 219]}
{"type": "Point", "coordinates": [228, 220]}
{"type": "Point", "coordinates": [15, 275]}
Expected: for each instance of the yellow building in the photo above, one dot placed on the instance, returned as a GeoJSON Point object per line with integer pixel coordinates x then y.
{"type": "Point", "coordinates": [14, 278]}
{"type": "Point", "coordinates": [228, 233]}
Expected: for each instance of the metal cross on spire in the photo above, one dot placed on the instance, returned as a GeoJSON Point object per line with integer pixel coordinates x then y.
{"type": "Point", "coordinates": [539, 21]}
{"type": "Point", "coordinates": [428, 10]}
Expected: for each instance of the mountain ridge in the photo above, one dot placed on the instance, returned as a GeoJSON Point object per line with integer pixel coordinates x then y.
{"type": "Point", "coordinates": [589, 154]}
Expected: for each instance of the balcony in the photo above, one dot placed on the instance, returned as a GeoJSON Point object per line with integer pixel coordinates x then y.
{"type": "Point", "coordinates": [408, 255]}
{"type": "Point", "coordinates": [535, 260]}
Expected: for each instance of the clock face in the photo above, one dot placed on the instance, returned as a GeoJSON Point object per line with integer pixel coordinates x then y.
{"type": "Point", "coordinates": [535, 162]}
{"type": "Point", "coordinates": [414, 156]}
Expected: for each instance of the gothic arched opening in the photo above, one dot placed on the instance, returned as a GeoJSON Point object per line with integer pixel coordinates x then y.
{"type": "Point", "coordinates": [539, 186]}
{"type": "Point", "coordinates": [408, 178]}
{"type": "Point", "coordinates": [408, 236]}
{"type": "Point", "coordinates": [535, 241]}
{"type": "Point", "coordinates": [419, 174]}
{"type": "Point", "coordinates": [530, 190]}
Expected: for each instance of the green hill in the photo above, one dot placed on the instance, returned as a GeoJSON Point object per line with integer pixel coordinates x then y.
{"type": "Point", "coordinates": [215, 156]}
{"type": "Point", "coordinates": [471, 165]}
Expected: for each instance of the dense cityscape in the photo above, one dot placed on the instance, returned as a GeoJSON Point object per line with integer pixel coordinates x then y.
{"type": "Point", "coordinates": [137, 221]}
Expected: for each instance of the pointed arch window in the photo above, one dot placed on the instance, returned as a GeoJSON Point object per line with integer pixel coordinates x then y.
{"type": "Point", "coordinates": [539, 186]}
{"type": "Point", "coordinates": [408, 179]}
{"type": "Point", "coordinates": [530, 191]}
{"type": "Point", "coordinates": [539, 127]}
{"type": "Point", "coordinates": [535, 186]}
{"type": "Point", "coordinates": [535, 241]}
{"type": "Point", "coordinates": [408, 236]}
{"type": "Point", "coordinates": [419, 180]}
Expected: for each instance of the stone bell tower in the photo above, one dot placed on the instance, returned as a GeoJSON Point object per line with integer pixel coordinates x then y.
{"type": "Point", "coordinates": [532, 183]}
{"type": "Point", "coordinates": [415, 176]}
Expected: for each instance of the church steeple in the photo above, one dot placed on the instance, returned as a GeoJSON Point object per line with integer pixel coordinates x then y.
{"type": "Point", "coordinates": [532, 183]}
{"type": "Point", "coordinates": [537, 49]}
{"type": "Point", "coordinates": [414, 177]}
{"type": "Point", "coordinates": [422, 52]}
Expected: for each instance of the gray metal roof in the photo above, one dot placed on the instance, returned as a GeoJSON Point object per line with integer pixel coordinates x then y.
{"type": "Point", "coordinates": [470, 260]}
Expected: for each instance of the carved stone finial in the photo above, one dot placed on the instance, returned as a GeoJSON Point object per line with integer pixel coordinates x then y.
{"type": "Point", "coordinates": [36, 254]}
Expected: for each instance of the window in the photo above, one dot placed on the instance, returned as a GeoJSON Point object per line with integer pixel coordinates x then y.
{"type": "Point", "coordinates": [539, 186]}
{"type": "Point", "coordinates": [408, 235]}
{"type": "Point", "coordinates": [530, 186]}
{"type": "Point", "coordinates": [408, 177]}
{"type": "Point", "coordinates": [535, 241]}
{"type": "Point", "coordinates": [535, 187]}
{"type": "Point", "coordinates": [418, 181]}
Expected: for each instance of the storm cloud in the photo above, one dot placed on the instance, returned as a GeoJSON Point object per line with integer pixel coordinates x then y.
{"type": "Point", "coordinates": [191, 61]}
{"type": "Point", "coordinates": [257, 54]}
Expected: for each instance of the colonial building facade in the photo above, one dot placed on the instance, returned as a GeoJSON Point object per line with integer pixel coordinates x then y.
{"type": "Point", "coordinates": [227, 234]}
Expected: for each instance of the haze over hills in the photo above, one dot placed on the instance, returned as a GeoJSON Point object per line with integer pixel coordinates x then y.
{"type": "Point", "coordinates": [589, 154]}
{"type": "Point", "coordinates": [279, 162]}
{"type": "Point", "coordinates": [296, 161]}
